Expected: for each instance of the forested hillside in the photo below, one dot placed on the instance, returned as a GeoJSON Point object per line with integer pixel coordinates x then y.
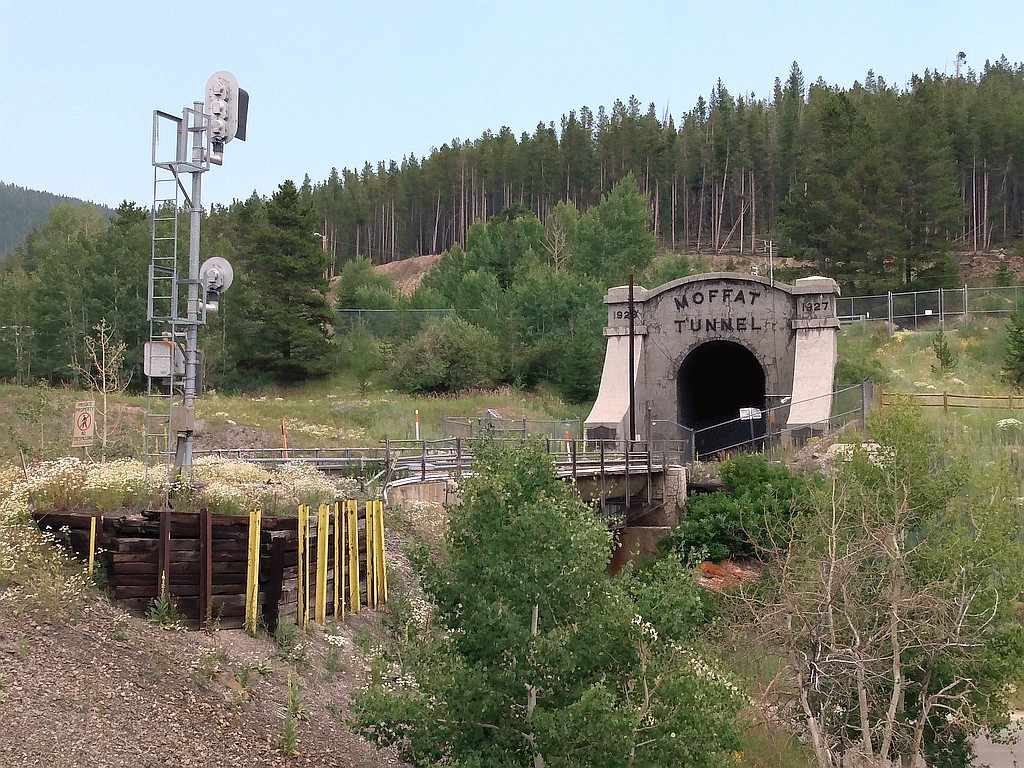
{"type": "Point", "coordinates": [873, 185]}
{"type": "Point", "coordinates": [868, 181]}
{"type": "Point", "coordinates": [22, 210]}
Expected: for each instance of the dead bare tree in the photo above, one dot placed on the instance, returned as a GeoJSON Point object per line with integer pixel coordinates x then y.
{"type": "Point", "coordinates": [890, 599]}
{"type": "Point", "coordinates": [104, 372]}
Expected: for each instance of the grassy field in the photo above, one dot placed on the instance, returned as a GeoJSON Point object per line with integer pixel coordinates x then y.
{"type": "Point", "coordinates": [907, 363]}
{"type": "Point", "coordinates": [37, 421]}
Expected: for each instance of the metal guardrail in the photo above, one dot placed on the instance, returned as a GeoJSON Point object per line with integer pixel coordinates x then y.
{"type": "Point", "coordinates": [440, 459]}
{"type": "Point", "coordinates": [359, 461]}
{"type": "Point", "coordinates": [425, 460]}
{"type": "Point", "coordinates": [601, 460]}
{"type": "Point", "coordinates": [494, 425]}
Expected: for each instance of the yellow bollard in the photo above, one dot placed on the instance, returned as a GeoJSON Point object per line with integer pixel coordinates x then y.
{"type": "Point", "coordinates": [371, 522]}
{"type": "Point", "coordinates": [92, 543]}
{"type": "Point", "coordinates": [338, 569]}
{"type": "Point", "coordinates": [353, 554]}
{"type": "Point", "coordinates": [371, 549]}
{"type": "Point", "coordinates": [302, 587]}
{"type": "Point", "coordinates": [322, 521]}
{"type": "Point", "coordinates": [252, 578]}
{"type": "Point", "coordinates": [380, 558]}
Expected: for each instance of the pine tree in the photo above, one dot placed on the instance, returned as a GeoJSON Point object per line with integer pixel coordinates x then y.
{"type": "Point", "coordinates": [946, 359]}
{"type": "Point", "coordinates": [1013, 363]}
{"type": "Point", "coordinates": [280, 331]}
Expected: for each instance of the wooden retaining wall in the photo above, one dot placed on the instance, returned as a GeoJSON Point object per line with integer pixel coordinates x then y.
{"type": "Point", "coordinates": [202, 561]}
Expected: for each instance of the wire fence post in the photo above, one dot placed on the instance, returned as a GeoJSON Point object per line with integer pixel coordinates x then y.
{"type": "Point", "coordinates": [867, 397]}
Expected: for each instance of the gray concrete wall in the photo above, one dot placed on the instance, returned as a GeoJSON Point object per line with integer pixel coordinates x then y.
{"type": "Point", "coordinates": [634, 544]}
{"type": "Point", "coordinates": [433, 491]}
{"type": "Point", "coordinates": [673, 320]}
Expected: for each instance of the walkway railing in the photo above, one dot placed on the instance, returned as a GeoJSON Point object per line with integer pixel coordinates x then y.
{"type": "Point", "coordinates": [759, 431]}
{"type": "Point", "coordinates": [358, 461]}
{"type": "Point", "coordinates": [492, 424]}
{"type": "Point", "coordinates": [438, 459]}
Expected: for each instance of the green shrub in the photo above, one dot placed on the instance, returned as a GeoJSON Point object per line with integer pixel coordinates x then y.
{"type": "Point", "coordinates": [449, 355]}
{"type": "Point", "coordinates": [362, 354]}
{"type": "Point", "coordinates": [752, 512]}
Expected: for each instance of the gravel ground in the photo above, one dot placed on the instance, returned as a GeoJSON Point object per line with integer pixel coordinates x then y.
{"type": "Point", "coordinates": [109, 689]}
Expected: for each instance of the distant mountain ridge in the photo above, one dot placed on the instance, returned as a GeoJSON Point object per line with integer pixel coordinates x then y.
{"type": "Point", "coordinates": [22, 210]}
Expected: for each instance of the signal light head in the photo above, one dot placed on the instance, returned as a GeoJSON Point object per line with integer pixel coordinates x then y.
{"type": "Point", "coordinates": [227, 107]}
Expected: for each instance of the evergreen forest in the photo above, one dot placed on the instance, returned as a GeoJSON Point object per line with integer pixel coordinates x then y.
{"type": "Point", "coordinates": [22, 210]}
{"type": "Point", "coordinates": [874, 185]}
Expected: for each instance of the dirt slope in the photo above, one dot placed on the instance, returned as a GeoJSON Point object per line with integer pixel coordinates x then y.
{"type": "Point", "coordinates": [107, 689]}
{"type": "Point", "coordinates": [408, 273]}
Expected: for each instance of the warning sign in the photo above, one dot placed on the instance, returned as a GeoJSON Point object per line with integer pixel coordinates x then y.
{"type": "Point", "coordinates": [83, 429]}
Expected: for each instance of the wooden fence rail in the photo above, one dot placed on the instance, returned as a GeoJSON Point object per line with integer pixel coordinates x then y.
{"type": "Point", "coordinates": [947, 400]}
{"type": "Point", "coordinates": [231, 571]}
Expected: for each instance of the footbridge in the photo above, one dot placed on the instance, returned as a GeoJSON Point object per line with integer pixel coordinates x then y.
{"type": "Point", "coordinates": [620, 481]}
{"type": "Point", "coordinates": [626, 483]}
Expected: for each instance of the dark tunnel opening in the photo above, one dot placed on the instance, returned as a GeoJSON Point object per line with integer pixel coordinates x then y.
{"type": "Point", "coordinates": [716, 381]}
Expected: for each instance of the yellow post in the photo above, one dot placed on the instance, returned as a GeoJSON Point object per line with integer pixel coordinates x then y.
{"type": "Point", "coordinates": [371, 521]}
{"type": "Point", "coordinates": [252, 579]}
{"type": "Point", "coordinates": [371, 549]}
{"type": "Point", "coordinates": [302, 595]}
{"type": "Point", "coordinates": [92, 543]}
{"type": "Point", "coordinates": [338, 576]}
{"type": "Point", "coordinates": [381, 560]}
{"type": "Point", "coordinates": [322, 521]}
{"type": "Point", "coordinates": [353, 554]}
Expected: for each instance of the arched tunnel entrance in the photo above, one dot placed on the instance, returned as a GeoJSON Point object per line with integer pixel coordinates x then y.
{"type": "Point", "coordinates": [721, 396]}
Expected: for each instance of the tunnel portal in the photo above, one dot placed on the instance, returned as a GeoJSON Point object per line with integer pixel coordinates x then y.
{"type": "Point", "coordinates": [718, 382]}
{"type": "Point", "coordinates": [717, 356]}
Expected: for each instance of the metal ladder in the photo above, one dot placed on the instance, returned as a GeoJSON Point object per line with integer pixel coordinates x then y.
{"type": "Point", "coordinates": [162, 312]}
{"type": "Point", "coordinates": [167, 310]}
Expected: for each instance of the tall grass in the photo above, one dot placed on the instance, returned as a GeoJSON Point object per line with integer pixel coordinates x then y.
{"type": "Point", "coordinates": [35, 421]}
{"type": "Point", "coordinates": [321, 415]}
{"type": "Point", "coordinates": [904, 363]}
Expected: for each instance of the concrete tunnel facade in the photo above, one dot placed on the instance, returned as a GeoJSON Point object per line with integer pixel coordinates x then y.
{"type": "Point", "coordinates": [730, 356]}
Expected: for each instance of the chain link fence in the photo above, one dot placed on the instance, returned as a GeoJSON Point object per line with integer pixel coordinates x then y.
{"type": "Point", "coordinates": [385, 323]}
{"type": "Point", "coordinates": [491, 424]}
{"type": "Point", "coordinates": [929, 310]}
{"type": "Point", "coordinates": [759, 431]}
{"type": "Point", "coordinates": [911, 310]}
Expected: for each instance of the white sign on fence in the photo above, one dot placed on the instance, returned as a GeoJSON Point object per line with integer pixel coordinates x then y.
{"type": "Point", "coordinates": [750, 414]}
{"type": "Point", "coordinates": [83, 429]}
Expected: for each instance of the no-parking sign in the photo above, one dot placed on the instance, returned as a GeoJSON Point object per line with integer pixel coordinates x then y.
{"type": "Point", "coordinates": [83, 429]}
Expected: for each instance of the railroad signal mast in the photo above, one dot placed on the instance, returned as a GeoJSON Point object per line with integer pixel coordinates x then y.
{"type": "Point", "coordinates": [177, 305]}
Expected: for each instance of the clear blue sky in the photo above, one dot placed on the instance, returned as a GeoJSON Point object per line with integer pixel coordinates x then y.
{"type": "Point", "coordinates": [336, 84]}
